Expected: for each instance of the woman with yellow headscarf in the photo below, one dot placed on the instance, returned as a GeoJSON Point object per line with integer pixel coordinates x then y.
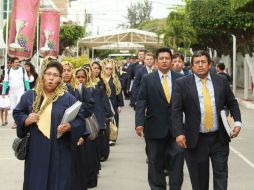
{"type": "Point", "coordinates": [49, 160]}
{"type": "Point", "coordinates": [83, 94]}
{"type": "Point", "coordinates": [114, 90]}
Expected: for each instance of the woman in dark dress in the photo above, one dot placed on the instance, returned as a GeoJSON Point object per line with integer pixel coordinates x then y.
{"type": "Point", "coordinates": [48, 165]}
{"type": "Point", "coordinates": [92, 163]}
{"type": "Point", "coordinates": [104, 113]}
{"type": "Point", "coordinates": [81, 154]}
{"type": "Point", "coordinates": [113, 88]}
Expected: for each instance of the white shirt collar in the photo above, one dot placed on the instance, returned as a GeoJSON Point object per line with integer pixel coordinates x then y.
{"type": "Point", "coordinates": [198, 79]}
{"type": "Point", "coordinates": [147, 68]}
{"type": "Point", "coordinates": [161, 74]}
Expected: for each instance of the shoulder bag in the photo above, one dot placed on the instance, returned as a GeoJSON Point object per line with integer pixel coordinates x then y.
{"type": "Point", "coordinates": [92, 126]}
{"type": "Point", "coordinates": [20, 147]}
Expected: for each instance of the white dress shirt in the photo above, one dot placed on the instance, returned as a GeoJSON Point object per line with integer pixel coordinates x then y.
{"type": "Point", "coordinates": [209, 85]}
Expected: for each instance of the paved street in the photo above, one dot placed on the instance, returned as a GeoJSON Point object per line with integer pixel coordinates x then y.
{"type": "Point", "coordinates": [126, 168]}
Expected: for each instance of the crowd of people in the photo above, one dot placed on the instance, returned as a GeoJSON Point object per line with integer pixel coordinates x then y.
{"type": "Point", "coordinates": [177, 112]}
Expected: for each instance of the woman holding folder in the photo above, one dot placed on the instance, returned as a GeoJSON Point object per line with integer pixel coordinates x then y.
{"type": "Point", "coordinates": [40, 112]}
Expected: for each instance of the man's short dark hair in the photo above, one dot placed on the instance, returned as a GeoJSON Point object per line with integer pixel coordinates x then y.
{"type": "Point", "coordinates": [161, 50]}
{"type": "Point", "coordinates": [12, 59]}
{"type": "Point", "coordinates": [55, 64]}
{"type": "Point", "coordinates": [221, 66]}
{"type": "Point", "coordinates": [178, 55]}
{"type": "Point", "coordinates": [200, 53]}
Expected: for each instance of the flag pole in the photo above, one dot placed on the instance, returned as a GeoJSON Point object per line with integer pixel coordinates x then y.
{"type": "Point", "coordinates": [6, 34]}
{"type": "Point", "coordinates": [37, 45]}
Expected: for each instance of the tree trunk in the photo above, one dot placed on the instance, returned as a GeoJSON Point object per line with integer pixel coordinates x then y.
{"type": "Point", "coordinates": [250, 62]}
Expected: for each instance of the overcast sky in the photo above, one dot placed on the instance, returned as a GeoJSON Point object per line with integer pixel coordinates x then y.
{"type": "Point", "coordinates": [108, 14]}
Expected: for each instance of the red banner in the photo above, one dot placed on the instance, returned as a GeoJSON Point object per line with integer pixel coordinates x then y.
{"type": "Point", "coordinates": [22, 28]}
{"type": "Point", "coordinates": [49, 35]}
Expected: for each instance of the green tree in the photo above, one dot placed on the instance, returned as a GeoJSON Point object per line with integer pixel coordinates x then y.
{"type": "Point", "coordinates": [178, 31]}
{"type": "Point", "coordinates": [220, 18]}
{"type": "Point", "coordinates": [69, 34]}
{"type": "Point", "coordinates": [138, 13]}
{"type": "Point", "coordinates": [154, 25]}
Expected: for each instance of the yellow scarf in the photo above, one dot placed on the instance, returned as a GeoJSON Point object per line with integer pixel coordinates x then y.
{"type": "Point", "coordinates": [44, 123]}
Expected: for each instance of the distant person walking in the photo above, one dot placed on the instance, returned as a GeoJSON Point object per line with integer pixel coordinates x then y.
{"type": "Point", "coordinates": [16, 79]}
{"type": "Point", "coordinates": [220, 68]}
{"type": "Point", "coordinates": [31, 73]}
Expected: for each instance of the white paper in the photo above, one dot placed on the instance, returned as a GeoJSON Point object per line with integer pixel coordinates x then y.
{"type": "Point", "coordinates": [70, 114]}
{"type": "Point", "coordinates": [226, 123]}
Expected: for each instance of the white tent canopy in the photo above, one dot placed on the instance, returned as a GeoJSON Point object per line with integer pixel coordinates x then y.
{"type": "Point", "coordinates": [132, 36]}
{"type": "Point", "coordinates": [121, 46]}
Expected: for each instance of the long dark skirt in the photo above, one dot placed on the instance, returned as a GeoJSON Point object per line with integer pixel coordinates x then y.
{"type": "Point", "coordinates": [79, 173]}
{"type": "Point", "coordinates": [92, 163]}
{"type": "Point", "coordinates": [103, 144]}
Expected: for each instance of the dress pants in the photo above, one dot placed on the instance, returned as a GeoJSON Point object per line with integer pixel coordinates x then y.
{"type": "Point", "coordinates": [208, 146]}
{"type": "Point", "coordinates": [156, 150]}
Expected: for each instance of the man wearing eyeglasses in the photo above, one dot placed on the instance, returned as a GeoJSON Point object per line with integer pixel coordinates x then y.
{"type": "Point", "coordinates": [202, 96]}
{"type": "Point", "coordinates": [16, 79]}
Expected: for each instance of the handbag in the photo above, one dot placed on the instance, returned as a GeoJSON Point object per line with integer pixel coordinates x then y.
{"type": "Point", "coordinates": [5, 102]}
{"type": "Point", "coordinates": [20, 147]}
{"type": "Point", "coordinates": [92, 126]}
{"type": "Point", "coordinates": [113, 130]}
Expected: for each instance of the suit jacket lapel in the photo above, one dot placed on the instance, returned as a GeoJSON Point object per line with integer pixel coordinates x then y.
{"type": "Point", "coordinates": [145, 70]}
{"type": "Point", "coordinates": [173, 79]}
{"type": "Point", "coordinates": [216, 84]}
{"type": "Point", "coordinates": [194, 92]}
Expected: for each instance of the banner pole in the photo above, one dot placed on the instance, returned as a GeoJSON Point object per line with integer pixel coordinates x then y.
{"type": "Point", "coordinates": [37, 44]}
{"type": "Point", "coordinates": [7, 34]}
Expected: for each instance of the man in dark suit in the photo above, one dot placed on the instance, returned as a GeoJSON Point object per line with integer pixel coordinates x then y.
{"type": "Point", "coordinates": [153, 117]}
{"type": "Point", "coordinates": [178, 64]}
{"type": "Point", "coordinates": [124, 77]}
{"type": "Point", "coordinates": [220, 68]}
{"type": "Point", "coordinates": [131, 72]}
{"type": "Point", "coordinates": [202, 96]}
{"type": "Point", "coordinates": [144, 70]}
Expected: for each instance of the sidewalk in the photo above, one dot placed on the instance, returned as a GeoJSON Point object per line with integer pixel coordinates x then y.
{"type": "Point", "coordinates": [249, 103]}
